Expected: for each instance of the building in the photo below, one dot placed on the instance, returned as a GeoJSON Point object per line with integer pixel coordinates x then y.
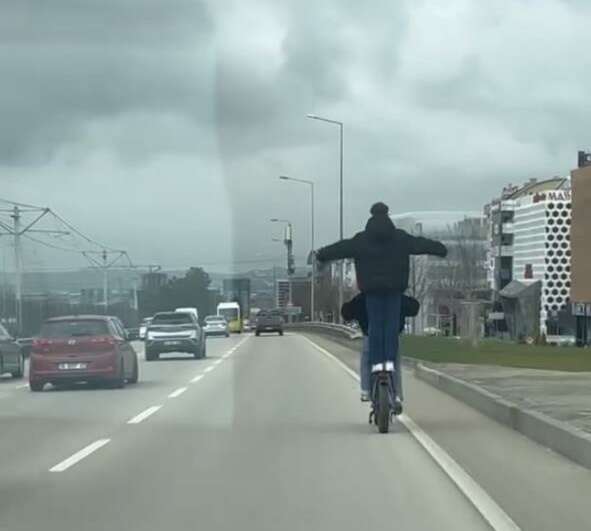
{"type": "Point", "coordinates": [581, 248]}
{"type": "Point", "coordinates": [282, 293]}
{"type": "Point", "coordinates": [528, 243]}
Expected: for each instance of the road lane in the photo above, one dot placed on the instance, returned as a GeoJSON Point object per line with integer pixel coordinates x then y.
{"type": "Point", "coordinates": [540, 489]}
{"type": "Point", "coordinates": [273, 438]}
{"type": "Point", "coordinates": [41, 429]}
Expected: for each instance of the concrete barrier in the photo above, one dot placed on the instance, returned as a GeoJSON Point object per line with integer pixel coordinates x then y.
{"type": "Point", "coordinates": [332, 329]}
{"type": "Point", "coordinates": [559, 436]}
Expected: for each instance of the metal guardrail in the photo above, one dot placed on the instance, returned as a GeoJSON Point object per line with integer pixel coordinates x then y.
{"type": "Point", "coordinates": [332, 328]}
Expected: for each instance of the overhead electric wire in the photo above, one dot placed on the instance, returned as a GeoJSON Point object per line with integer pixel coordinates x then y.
{"type": "Point", "coordinates": [81, 234]}
{"type": "Point", "coordinates": [51, 245]}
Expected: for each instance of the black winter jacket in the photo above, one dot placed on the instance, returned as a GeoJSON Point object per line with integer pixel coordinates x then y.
{"type": "Point", "coordinates": [381, 253]}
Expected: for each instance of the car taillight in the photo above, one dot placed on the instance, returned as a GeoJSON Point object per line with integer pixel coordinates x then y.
{"type": "Point", "coordinates": [103, 340]}
{"type": "Point", "coordinates": [40, 345]}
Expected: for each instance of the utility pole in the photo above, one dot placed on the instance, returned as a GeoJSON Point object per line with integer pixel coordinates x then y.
{"type": "Point", "coordinates": [18, 265]}
{"type": "Point", "coordinates": [103, 261]}
{"type": "Point", "coordinates": [105, 282]}
{"type": "Point", "coordinates": [17, 231]}
{"type": "Point", "coordinates": [312, 240]}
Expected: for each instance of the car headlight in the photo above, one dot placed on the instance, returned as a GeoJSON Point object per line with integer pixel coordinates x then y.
{"type": "Point", "coordinates": [193, 334]}
{"type": "Point", "coordinates": [150, 336]}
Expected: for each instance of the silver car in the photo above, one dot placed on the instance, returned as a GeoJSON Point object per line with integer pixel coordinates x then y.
{"type": "Point", "coordinates": [216, 325]}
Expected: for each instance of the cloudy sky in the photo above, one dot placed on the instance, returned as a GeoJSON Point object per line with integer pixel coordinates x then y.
{"type": "Point", "coordinates": [160, 127]}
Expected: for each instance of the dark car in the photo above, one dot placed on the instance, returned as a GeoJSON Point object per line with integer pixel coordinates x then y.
{"type": "Point", "coordinates": [174, 332]}
{"type": "Point", "coordinates": [269, 322]}
{"type": "Point", "coordinates": [82, 348]}
{"type": "Point", "coordinates": [11, 355]}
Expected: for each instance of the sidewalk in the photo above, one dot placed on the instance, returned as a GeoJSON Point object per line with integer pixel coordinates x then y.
{"type": "Point", "coordinates": [563, 396]}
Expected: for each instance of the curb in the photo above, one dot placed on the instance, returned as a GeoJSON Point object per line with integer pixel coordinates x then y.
{"type": "Point", "coordinates": [570, 442]}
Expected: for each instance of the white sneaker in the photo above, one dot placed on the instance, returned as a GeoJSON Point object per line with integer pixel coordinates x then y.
{"type": "Point", "coordinates": [365, 396]}
{"type": "Point", "coordinates": [379, 367]}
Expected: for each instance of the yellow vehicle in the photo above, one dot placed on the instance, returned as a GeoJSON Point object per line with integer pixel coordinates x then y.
{"type": "Point", "coordinates": [231, 312]}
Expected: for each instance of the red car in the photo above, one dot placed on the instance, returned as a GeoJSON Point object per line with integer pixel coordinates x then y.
{"type": "Point", "coordinates": [82, 348]}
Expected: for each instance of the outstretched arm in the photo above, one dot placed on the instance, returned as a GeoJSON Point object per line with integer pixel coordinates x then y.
{"type": "Point", "coordinates": [336, 251]}
{"type": "Point", "coordinates": [420, 245]}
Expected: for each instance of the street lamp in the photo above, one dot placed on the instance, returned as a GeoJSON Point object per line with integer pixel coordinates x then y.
{"type": "Point", "coordinates": [313, 279]}
{"type": "Point", "coordinates": [288, 243]}
{"type": "Point", "coordinates": [341, 125]}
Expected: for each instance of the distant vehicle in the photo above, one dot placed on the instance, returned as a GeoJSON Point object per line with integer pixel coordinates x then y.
{"type": "Point", "coordinates": [143, 327]}
{"type": "Point", "coordinates": [269, 322]}
{"type": "Point", "coordinates": [133, 334]}
{"type": "Point", "coordinates": [82, 348]}
{"type": "Point", "coordinates": [231, 312]}
{"type": "Point", "coordinates": [12, 359]}
{"type": "Point", "coordinates": [194, 311]}
{"type": "Point", "coordinates": [246, 325]}
{"type": "Point", "coordinates": [216, 325]}
{"type": "Point", "coordinates": [432, 331]}
{"type": "Point", "coordinates": [26, 343]}
{"type": "Point", "coordinates": [174, 332]}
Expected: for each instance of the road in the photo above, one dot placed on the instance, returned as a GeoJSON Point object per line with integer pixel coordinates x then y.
{"type": "Point", "coordinates": [265, 434]}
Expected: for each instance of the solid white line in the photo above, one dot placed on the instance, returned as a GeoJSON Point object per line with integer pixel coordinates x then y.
{"type": "Point", "coordinates": [217, 362]}
{"type": "Point", "coordinates": [197, 378]}
{"type": "Point", "coordinates": [143, 415]}
{"type": "Point", "coordinates": [226, 355]}
{"type": "Point", "coordinates": [209, 369]}
{"type": "Point", "coordinates": [22, 386]}
{"type": "Point", "coordinates": [178, 392]}
{"type": "Point", "coordinates": [498, 519]}
{"type": "Point", "coordinates": [78, 456]}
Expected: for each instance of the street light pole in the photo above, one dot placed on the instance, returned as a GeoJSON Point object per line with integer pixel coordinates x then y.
{"type": "Point", "coordinates": [312, 241]}
{"type": "Point", "coordinates": [288, 243]}
{"type": "Point", "coordinates": [341, 198]}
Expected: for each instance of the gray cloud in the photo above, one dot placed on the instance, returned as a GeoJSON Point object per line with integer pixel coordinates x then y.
{"type": "Point", "coordinates": [442, 104]}
{"type": "Point", "coordinates": [67, 63]}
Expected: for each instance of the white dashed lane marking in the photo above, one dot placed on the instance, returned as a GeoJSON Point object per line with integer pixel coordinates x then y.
{"type": "Point", "coordinates": [78, 456]}
{"type": "Point", "coordinates": [178, 392]}
{"type": "Point", "coordinates": [143, 415]}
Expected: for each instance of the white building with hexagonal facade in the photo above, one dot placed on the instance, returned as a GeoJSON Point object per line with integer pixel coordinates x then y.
{"type": "Point", "coordinates": [529, 234]}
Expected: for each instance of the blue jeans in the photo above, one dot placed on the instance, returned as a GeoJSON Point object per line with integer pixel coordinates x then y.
{"type": "Point", "coordinates": [383, 315]}
{"type": "Point", "coordinates": [365, 370]}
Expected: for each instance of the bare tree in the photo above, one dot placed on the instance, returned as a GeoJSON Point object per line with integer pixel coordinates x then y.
{"type": "Point", "coordinates": [462, 274]}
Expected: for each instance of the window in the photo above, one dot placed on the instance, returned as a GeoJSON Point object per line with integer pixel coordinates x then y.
{"type": "Point", "coordinates": [529, 271]}
{"type": "Point", "coordinates": [173, 318]}
{"type": "Point", "coordinates": [75, 328]}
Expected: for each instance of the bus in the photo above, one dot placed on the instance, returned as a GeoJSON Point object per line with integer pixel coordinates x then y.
{"type": "Point", "coordinates": [231, 312]}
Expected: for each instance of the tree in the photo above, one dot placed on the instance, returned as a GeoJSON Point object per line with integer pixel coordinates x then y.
{"type": "Point", "coordinates": [192, 290]}
{"type": "Point", "coordinates": [461, 276]}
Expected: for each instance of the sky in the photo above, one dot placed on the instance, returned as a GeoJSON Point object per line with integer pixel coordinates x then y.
{"type": "Point", "coordinates": [161, 128]}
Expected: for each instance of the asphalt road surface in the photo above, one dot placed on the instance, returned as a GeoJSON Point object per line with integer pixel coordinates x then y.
{"type": "Point", "coordinates": [265, 434]}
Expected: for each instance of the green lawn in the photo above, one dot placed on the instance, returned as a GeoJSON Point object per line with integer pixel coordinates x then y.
{"type": "Point", "coordinates": [492, 352]}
